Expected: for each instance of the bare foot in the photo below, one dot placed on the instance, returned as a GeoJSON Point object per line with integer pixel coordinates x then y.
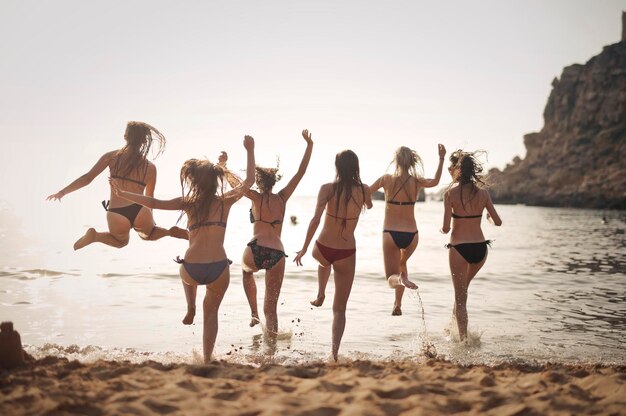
{"type": "Point", "coordinates": [188, 319]}
{"type": "Point", "coordinates": [88, 238]}
{"type": "Point", "coordinates": [396, 311]}
{"type": "Point", "coordinates": [178, 232]}
{"type": "Point", "coordinates": [254, 321]}
{"type": "Point", "coordinates": [406, 282]}
{"type": "Point", "coordinates": [319, 301]}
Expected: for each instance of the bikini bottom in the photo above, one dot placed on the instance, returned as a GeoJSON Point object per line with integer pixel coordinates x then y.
{"type": "Point", "coordinates": [265, 257]}
{"type": "Point", "coordinates": [472, 252]}
{"type": "Point", "coordinates": [402, 239]}
{"type": "Point", "coordinates": [129, 211]}
{"type": "Point", "coordinates": [334, 254]}
{"type": "Point", "coordinates": [204, 273]}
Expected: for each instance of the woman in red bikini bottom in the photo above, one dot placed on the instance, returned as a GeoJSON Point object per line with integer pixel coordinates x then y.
{"type": "Point", "coordinates": [335, 248]}
{"type": "Point", "coordinates": [464, 202]}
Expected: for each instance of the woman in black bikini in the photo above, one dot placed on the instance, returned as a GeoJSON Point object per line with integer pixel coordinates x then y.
{"type": "Point", "coordinates": [464, 202]}
{"type": "Point", "coordinates": [265, 250]}
{"type": "Point", "coordinates": [335, 248]}
{"type": "Point", "coordinates": [136, 174]}
{"type": "Point", "coordinates": [207, 208]}
{"type": "Point", "coordinates": [400, 235]}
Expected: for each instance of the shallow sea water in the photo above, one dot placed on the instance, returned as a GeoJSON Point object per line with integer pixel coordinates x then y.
{"type": "Point", "coordinates": [552, 289]}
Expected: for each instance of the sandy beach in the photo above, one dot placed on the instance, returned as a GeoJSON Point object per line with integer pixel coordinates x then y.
{"type": "Point", "coordinates": [58, 386]}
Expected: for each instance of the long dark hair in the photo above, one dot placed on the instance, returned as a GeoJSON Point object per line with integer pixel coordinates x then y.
{"type": "Point", "coordinates": [199, 182]}
{"type": "Point", "coordinates": [139, 138]}
{"type": "Point", "coordinates": [467, 170]}
{"type": "Point", "coordinates": [348, 176]}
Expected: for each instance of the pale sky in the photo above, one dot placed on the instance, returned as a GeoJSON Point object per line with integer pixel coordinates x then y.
{"type": "Point", "coordinates": [369, 76]}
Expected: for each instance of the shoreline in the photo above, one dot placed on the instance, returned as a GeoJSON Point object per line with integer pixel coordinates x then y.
{"type": "Point", "coordinates": [61, 386]}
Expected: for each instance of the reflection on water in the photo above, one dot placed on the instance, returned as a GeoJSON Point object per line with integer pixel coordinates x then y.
{"type": "Point", "coordinates": [552, 290]}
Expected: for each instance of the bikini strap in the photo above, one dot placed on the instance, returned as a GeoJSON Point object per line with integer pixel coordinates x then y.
{"type": "Point", "coordinates": [105, 205]}
{"type": "Point", "coordinates": [399, 189]}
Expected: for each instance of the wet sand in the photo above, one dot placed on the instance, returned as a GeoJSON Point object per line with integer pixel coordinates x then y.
{"type": "Point", "coordinates": [58, 386]}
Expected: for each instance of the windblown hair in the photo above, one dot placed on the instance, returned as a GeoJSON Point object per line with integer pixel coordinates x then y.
{"type": "Point", "coordinates": [200, 181]}
{"type": "Point", "coordinates": [467, 169]}
{"type": "Point", "coordinates": [348, 177]}
{"type": "Point", "coordinates": [407, 160]}
{"type": "Point", "coordinates": [266, 178]}
{"type": "Point", "coordinates": [139, 138]}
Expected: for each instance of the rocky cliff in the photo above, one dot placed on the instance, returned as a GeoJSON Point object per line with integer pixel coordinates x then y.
{"type": "Point", "coordinates": [579, 157]}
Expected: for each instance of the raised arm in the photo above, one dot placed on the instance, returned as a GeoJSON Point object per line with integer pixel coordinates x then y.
{"type": "Point", "coordinates": [147, 201]}
{"type": "Point", "coordinates": [492, 214]}
{"type": "Point", "coordinates": [243, 187]}
{"type": "Point", "coordinates": [429, 183]}
{"type": "Point", "coordinates": [322, 198]}
{"type": "Point", "coordinates": [447, 213]}
{"type": "Point", "coordinates": [85, 179]}
{"type": "Point", "coordinates": [286, 192]}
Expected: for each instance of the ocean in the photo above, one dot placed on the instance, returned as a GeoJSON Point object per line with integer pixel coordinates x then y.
{"type": "Point", "coordinates": [552, 290]}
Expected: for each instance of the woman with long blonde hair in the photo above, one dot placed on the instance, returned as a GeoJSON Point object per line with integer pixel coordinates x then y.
{"type": "Point", "coordinates": [400, 235]}
{"type": "Point", "coordinates": [135, 173]}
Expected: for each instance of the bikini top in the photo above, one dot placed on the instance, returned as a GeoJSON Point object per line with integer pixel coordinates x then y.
{"type": "Point", "coordinates": [207, 223]}
{"type": "Point", "coordinates": [465, 216]}
{"type": "Point", "coordinates": [124, 178]}
{"type": "Point", "coordinates": [260, 219]}
{"type": "Point", "coordinates": [392, 202]}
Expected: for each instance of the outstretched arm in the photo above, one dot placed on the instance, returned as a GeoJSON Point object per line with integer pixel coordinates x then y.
{"type": "Point", "coordinates": [429, 183]}
{"type": "Point", "coordinates": [147, 201]}
{"type": "Point", "coordinates": [447, 213]}
{"type": "Point", "coordinates": [322, 198]}
{"type": "Point", "coordinates": [231, 177]}
{"type": "Point", "coordinates": [286, 192]}
{"type": "Point", "coordinates": [85, 179]}
{"type": "Point", "coordinates": [378, 183]}
{"type": "Point", "coordinates": [243, 187]}
{"type": "Point", "coordinates": [492, 214]}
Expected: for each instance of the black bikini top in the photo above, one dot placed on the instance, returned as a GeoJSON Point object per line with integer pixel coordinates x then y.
{"type": "Point", "coordinates": [124, 178]}
{"type": "Point", "coordinates": [466, 216]}
{"type": "Point", "coordinates": [392, 202]}
{"type": "Point", "coordinates": [260, 219]}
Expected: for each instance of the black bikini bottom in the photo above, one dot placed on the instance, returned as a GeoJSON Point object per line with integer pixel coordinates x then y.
{"type": "Point", "coordinates": [472, 252]}
{"type": "Point", "coordinates": [402, 239]}
{"type": "Point", "coordinates": [265, 257]}
{"type": "Point", "coordinates": [129, 211]}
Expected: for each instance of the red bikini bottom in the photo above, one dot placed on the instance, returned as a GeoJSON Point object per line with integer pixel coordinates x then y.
{"type": "Point", "coordinates": [334, 254]}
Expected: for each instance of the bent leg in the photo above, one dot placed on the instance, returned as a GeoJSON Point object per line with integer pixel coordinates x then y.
{"type": "Point", "coordinates": [190, 296]}
{"type": "Point", "coordinates": [458, 270]}
{"type": "Point", "coordinates": [212, 300]}
{"type": "Point", "coordinates": [119, 229]}
{"type": "Point", "coordinates": [249, 285]}
{"type": "Point", "coordinates": [273, 284]}
{"type": "Point", "coordinates": [405, 254]}
{"type": "Point", "coordinates": [147, 229]}
{"type": "Point", "coordinates": [343, 276]}
{"type": "Point", "coordinates": [323, 274]}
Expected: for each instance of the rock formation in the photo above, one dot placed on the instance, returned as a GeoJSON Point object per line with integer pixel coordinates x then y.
{"type": "Point", "coordinates": [578, 158]}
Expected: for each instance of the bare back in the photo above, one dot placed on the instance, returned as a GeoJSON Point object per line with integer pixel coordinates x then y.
{"type": "Point", "coordinates": [339, 224]}
{"type": "Point", "coordinates": [467, 228]}
{"type": "Point", "coordinates": [142, 177]}
{"type": "Point", "coordinates": [400, 196]}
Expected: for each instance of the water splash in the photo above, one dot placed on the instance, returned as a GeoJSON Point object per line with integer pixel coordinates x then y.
{"type": "Point", "coordinates": [428, 348]}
